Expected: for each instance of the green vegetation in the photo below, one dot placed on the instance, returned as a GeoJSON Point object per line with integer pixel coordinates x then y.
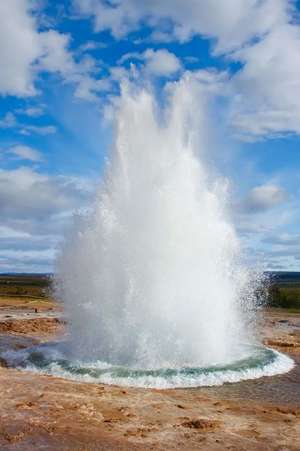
{"type": "Point", "coordinates": [284, 291]}
{"type": "Point", "coordinates": [284, 296]}
{"type": "Point", "coordinates": [25, 285]}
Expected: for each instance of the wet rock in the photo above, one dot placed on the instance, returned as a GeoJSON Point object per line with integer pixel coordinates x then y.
{"type": "Point", "coordinates": [202, 424]}
{"type": "Point", "coordinates": [284, 343]}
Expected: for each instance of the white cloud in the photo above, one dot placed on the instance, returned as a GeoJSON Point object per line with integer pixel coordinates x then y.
{"type": "Point", "coordinates": [55, 55]}
{"type": "Point", "coordinates": [19, 48]}
{"type": "Point", "coordinates": [262, 35]}
{"type": "Point", "coordinates": [31, 260]}
{"type": "Point", "coordinates": [157, 36]}
{"type": "Point", "coordinates": [267, 88]}
{"type": "Point", "coordinates": [88, 88]}
{"type": "Point", "coordinates": [8, 121]}
{"type": "Point", "coordinates": [26, 153]}
{"type": "Point", "coordinates": [9, 233]}
{"type": "Point", "coordinates": [263, 198]}
{"type": "Point", "coordinates": [91, 45]}
{"type": "Point", "coordinates": [25, 255]}
{"type": "Point", "coordinates": [38, 129]}
{"type": "Point", "coordinates": [25, 52]}
{"type": "Point", "coordinates": [35, 208]}
{"type": "Point", "coordinates": [57, 58]}
{"type": "Point", "coordinates": [232, 22]}
{"type": "Point", "coordinates": [24, 192]}
{"type": "Point", "coordinates": [161, 63]}
{"type": "Point", "coordinates": [284, 240]}
{"type": "Point", "coordinates": [35, 111]}
{"type": "Point", "coordinates": [282, 250]}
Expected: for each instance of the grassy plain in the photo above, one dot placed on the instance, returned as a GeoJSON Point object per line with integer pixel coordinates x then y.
{"type": "Point", "coordinates": [284, 291]}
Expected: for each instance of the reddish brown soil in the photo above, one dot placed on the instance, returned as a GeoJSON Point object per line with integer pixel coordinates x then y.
{"type": "Point", "coordinates": [48, 413]}
{"type": "Point", "coordinates": [33, 326]}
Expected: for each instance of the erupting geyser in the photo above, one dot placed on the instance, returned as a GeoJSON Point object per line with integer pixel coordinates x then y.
{"type": "Point", "coordinates": [151, 278]}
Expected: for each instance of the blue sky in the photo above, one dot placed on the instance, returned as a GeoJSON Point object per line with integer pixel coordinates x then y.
{"type": "Point", "coordinates": [61, 68]}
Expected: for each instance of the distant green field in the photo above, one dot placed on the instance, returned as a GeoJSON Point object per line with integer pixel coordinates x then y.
{"type": "Point", "coordinates": [284, 296]}
{"type": "Point", "coordinates": [283, 291]}
{"type": "Point", "coordinates": [25, 285]}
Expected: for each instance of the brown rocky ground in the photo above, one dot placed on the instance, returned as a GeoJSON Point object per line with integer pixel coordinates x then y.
{"type": "Point", "coordinates": [48, 413]}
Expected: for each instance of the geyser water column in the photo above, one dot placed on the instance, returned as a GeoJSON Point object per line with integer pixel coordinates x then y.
{"type": "Point", "coordinates": [151, 277]}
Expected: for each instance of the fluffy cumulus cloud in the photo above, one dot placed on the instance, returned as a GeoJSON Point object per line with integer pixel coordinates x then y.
{"type": "Point", "coordinates": [25, 52]}
{"type": "Point", "coordinates": [260, 35]}
{"type": "Point", "coordinates": [24, 192]}
{"type": "Point", "coordinates": [19, 48]}
{"type": "Point", "coordinates": [266, 89]}
{"type": "Point", "coordinates": [55, 56]}
{"type": "Point", "coordinates": [263, 198]}
{"type": "Point", "coordinates": [265, 219]}
{"type": "Point", "coordinates": [232, 22]}
{"type": "Point", "coordinates": [34, 210]}
{"type": "Point", "coordinates": [160, 63]}
{"type": "Point", "coordinates": [267, 210]}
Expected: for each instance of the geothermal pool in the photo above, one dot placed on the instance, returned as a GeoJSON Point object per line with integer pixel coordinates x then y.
{"type": "Point", "coordinates": [52, 359]}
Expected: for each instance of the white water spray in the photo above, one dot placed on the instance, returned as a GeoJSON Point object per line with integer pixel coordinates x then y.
{"type": "Point", "coordinates": [152, 278]}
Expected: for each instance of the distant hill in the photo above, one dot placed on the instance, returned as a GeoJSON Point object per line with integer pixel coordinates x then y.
{"type": "Point", "coordinates": [284, 277]}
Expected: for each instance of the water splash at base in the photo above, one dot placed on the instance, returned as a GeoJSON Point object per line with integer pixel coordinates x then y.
{"type": "Point", "coordinates": [152, 276]}
{"type": "Point", "coordinates": [52, 359]}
